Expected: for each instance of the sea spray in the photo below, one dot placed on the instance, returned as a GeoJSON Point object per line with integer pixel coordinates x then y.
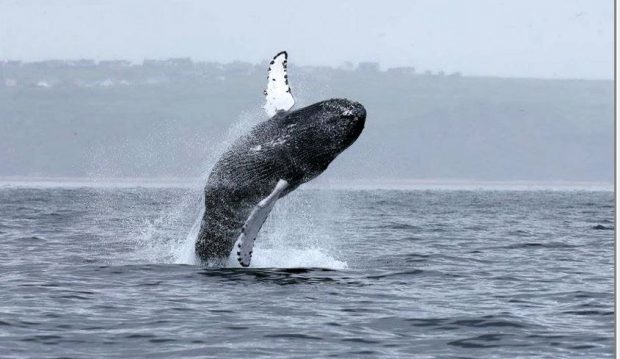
{"type": "Point", "coordinates": [292, 237]}
{"type": "Point", "coordinates": [298, 233]}
{"type": "Point", "coordinates": [166, 236]}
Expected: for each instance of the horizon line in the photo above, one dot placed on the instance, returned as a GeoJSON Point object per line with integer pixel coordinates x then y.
{"type": "Point", "coordinates": [344, 184]}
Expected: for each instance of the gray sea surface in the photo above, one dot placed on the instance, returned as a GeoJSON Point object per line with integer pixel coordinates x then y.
{"type": "Point", "coordinates": [109, 272]}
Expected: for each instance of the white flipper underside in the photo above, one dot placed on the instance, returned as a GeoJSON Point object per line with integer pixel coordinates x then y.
{"type": "Point", "coordinates": [245, 241]}
{"type": "Point", "coordinates": [278, 93]}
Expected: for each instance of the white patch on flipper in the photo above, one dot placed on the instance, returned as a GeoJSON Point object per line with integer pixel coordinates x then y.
{"type": "Point", "coordinates": [278, 93]}
{"type": "Point", "coordinates": [249, 231]}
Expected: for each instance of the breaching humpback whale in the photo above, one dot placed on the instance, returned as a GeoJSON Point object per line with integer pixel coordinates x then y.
{"type": "Point", "coordinates": [273, 159]}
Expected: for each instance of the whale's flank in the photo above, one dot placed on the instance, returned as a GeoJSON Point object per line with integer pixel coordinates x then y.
{"type": "Point", "coordinates": [292, 147]}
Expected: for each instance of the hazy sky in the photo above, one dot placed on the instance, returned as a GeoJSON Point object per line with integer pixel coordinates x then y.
{"type": "Point", "coordinates": [522, 38]}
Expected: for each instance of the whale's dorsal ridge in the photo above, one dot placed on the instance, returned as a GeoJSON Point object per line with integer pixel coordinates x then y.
{"type": "Point", "coordinates": [278, 95]}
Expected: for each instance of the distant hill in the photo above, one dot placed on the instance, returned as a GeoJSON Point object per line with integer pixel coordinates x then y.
{"type": "Point", "coordinates": [172, 118]}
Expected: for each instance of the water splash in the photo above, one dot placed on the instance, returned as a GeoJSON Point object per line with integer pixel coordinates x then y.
{"type": "Point", "coordinates": [160, 239]}
{"type": "Point", "coordinates": [296, 235]}
{"type": "Point", "coordinates": [289, 238]}
{"type": "Point", "coordinates": [286, 257]}
{"type": "Point", "coordinates": [185, 253]}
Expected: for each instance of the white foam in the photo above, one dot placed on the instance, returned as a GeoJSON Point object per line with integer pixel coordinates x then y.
{"type": "Point", "coordinates": [185, 252]}
{"type": "Point", "coordinates": [286, 257]}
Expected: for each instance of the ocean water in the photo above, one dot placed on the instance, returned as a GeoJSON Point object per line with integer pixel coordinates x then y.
{"type": "Point", "coordinates": [109, 272]}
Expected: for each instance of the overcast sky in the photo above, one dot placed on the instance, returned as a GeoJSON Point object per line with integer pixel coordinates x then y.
{"type": "Point", "coordinates": [516, 38]}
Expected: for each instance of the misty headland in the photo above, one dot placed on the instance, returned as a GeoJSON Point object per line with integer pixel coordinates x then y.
{"type": "Point", "coordinates": [167, 119]}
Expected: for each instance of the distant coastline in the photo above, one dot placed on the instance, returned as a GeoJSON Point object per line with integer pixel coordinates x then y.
{"type": "Point", "coordinates": [173, 118]}
{"type": "Point", "coordinates": [88, 73]}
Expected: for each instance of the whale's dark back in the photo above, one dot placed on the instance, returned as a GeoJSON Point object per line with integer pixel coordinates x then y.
{"type": "Point", "coordinates": [295, 146]}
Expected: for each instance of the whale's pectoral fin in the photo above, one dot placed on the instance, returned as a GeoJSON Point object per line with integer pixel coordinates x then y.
{"type": "Point", "coordinates": [245, 241]}
{"type": "Point", "coordinates": [278, 93]}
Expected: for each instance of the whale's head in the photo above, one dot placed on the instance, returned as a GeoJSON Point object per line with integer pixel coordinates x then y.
{"type": "Point", "coordinates": [320, 132]}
